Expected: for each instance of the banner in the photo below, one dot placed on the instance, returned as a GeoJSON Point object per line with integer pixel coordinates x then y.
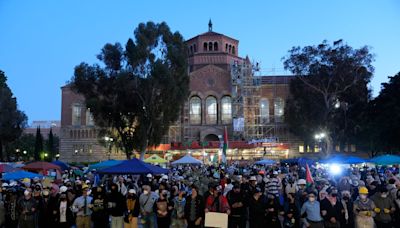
{"type": "Point", "coordinates": [214, 219]}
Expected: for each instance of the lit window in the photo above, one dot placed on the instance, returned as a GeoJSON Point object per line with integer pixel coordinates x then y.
{"type": "Point", "coordinates": [211, 108]}
{"type": "Point", "coordinates": [76, 115]}
{"type": "Point", "coordinates": [279, 109]}
{"type": "Point", "coordinates": [264, 111]}
{"type": "Point", "coordinates": [353, 148]}
{"type": "Point", "coordinates": [301, 149]}
{"type": "Point", "coordinates": [195, 110]}
{"type": "Point", "coordinates": [226, 116]}
{"type": "Point", "coordinates": [316, 149]}
{"type": "Point", "coordinates": [89, 118]}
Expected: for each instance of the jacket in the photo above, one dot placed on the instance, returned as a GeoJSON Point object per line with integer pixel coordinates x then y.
{"type": "Point", "coordinates": [199, 208]}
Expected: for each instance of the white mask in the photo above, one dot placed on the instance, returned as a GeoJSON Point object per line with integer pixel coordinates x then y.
{"type": "Point", "coordinates": [311, 199]}
{"type": "Point", "coordinates": [363, 197]}
{"type": "Point", "coordinates": [26, 193]}
{"type": "Point", "coordinates": [145, 192]}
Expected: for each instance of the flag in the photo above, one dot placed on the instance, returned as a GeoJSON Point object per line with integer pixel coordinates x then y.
{"type": "Point", "coordinates": [309, 179]}
{"type": "Point", "coordinates": [225, 147]}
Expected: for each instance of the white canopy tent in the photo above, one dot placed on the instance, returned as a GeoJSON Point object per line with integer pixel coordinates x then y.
{"type": "Point", "coordinates": [187, 159]}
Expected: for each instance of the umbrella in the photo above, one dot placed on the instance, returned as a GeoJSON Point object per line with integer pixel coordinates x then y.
{"type": "Point", "coordinates": [386, 160]}
{"type": "Point", "coordinates": [187, 159]}
{"type": "Point", "coordinates": [62, 165]}
{"type": "Point", "coordinates": [155, 159]}
{"type": "Point", "coordinates": [41, 166]}
{"type": "Point", "coordinates": [265, 162]}
{"type": "Point", "coordinates": [6, 168]}
{"type": "Point", "coordinates": [18, 175]}
{"type": "Point", "coordinates": [104, 164]}
{"type": "Point", "coordinates": [134, 166]}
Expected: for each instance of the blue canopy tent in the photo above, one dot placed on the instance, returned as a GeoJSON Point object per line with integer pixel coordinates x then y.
{"type": "Point", "coordinates": [105, 164]}
{"type": "Point", "coordinates": [342, 159]}
{"type": "Point", "coordinates": [386, 160]}
{"type": "Point", "coordinates": [18, 175]}
{"type": "Point", "coordinates": [187, 159]}
{"type": "Point", "coordinates": [133, 166]}
{"type": "Point", "coordinates": [299, 161]}
{"type": "Point", "coordinates": [64, 166]}
{"type": "Point", "coordinates": [265, 162]}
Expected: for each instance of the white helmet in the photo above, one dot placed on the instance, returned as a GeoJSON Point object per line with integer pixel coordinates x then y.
{"type": "Point", "coordinates": [63, 189]}
{"type": "Point", "coordinates": [301, 182]}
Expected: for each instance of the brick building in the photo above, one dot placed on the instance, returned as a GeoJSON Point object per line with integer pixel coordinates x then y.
{"type": "Point", "coordinates": [224, 93]}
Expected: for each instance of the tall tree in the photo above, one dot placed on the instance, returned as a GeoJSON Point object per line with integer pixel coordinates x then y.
{"type": "Point", "coordinates": [38, 144]}
{"type": "Point", "coordinates": [330, 91]}
{"type": "Point", "coordinates": [50, 145]}
{"type": "Point", "coordinates": [140, 90]}
{"type": "Point", "coordinates": [26, 142]}
{"type": "Point", "coordinates": [12, 120]}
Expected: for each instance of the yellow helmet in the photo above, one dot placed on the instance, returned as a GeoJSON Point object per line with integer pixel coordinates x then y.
{"type": "Point", "coordinates": [363, 190]}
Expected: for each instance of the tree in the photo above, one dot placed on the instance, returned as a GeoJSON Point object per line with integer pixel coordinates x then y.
{"type": "Point", "coordinates": [50, 145]}
{"type": "Point", "coordinates": [330, 92]}
{"type": "Point", "coordinates": [382, 123]}
{"type": "Point", "coordinates": [38, 144]}
{"type": "Point", "coordinates": [139, 92]}
{"type": "Point", "coordinates": [12, 120]}
{"type": "Point", "coordinates": [26, 142]}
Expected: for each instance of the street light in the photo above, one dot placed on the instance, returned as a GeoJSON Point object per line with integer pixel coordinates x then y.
{"type": "Point", "coordinates": [24, 152]}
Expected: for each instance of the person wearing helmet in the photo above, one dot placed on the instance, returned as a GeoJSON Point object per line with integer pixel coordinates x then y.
{"type": "Point", "coordinates": [364, 209]}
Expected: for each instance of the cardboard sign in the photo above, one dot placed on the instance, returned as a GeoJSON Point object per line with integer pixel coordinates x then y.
{"type": "Point", "coordinates": [218, 220]}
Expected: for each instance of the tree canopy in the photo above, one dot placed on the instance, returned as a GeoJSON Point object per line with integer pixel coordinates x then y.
{"type": "Point", "coordinates": [12, 120]}
{"type": "Point", "coordinates": [138, 91]}
{"type": "Point", "coordinates": [330, 91]}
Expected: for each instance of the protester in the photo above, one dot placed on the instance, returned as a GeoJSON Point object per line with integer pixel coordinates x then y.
{"type": "Point", "coordinates": [238, 204]}
{"type": "Point", "coordinates": [133, 209]}
{"type": "Point", "coordinates": [147, 201]}
{"type": "Point", "coordinates": [178, 212]}
{"type": "Point", "coordinates": [194, 209]}
{"type": "Point", "coordinates": [82, 208]}
{"type": "Point", "coordinates": [27, 210]}
{"type": "Point", "coordinates": [99, 210]}
{"type": "Point", "coordinates": [364, 210]}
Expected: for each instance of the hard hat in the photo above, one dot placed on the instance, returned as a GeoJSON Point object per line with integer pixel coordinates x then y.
{"type": "Point", "coordinates": [85, 186]}
{"type": "Point", "coordinates": [132, 191]}
{"type": "Point", "coordinates": [63, 189]}
{"type": "Point", "coordinates": [301, 182]}
{"type": "Point", "coordinates": [363, 190]}
{"type": "Point", "coordinates": [149, 175]}
{"type": "Point", "coordinates": [5, 185]}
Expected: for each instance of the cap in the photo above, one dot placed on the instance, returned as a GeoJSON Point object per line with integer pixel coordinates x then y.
{"type": "Point", "coordinates": [85, 187]}
{"type": "Point", "coordinates": [301, 182]}
{"type": "Point", "coordinates": [63, 189]}
{"type": "Point", "coordinates": [132, 191]}
{"type": "Point", "coordinates": [253, 178]}
{"type": "Point", "coordinates": [4, 185]}
{"type": "Point", "coordinates": [149, 175]}
{"type": "Point", "coordinates": [87, 181]}
{"type": "Point", "coordinates": [275, 173]}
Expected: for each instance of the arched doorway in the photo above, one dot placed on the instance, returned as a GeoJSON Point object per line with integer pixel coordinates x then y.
{"type": "Point", "coordinates": [211, 137]}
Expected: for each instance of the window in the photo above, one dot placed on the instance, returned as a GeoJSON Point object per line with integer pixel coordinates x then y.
{"type": "Point", "coordinates": [226, 116]}
{"type": "Point", "coordinates": [230, 48]}
{"type": "Point", "coordinates": [264, 111]}
{"type": "Point", "coordinates": [215, 46]}
{"type": "Point", "coordinates": [76, 115]}
{"type": "Point", "coordinates": [210, 46]}
{"type": "Point", "coordinates": [301, 149]}
{"type": "Point", "coordinates": [89, 118]}
{"type": "Point", "coordinates": [195, 110]}
{"type": "Point", "coordinates": [211, 108]}
{"type": "Point", "coordinates": [226, 47]}
{"type": "Point", "coordinates": [233, 50]}
{"type": "Point", "coordinates": [278, 109]}
{"type": "Point", "coordinates": [194, 48]}
{"type": "Point", "coordinates": [205, 46]}
{"type": "Point", "coordinates": [191, 50]}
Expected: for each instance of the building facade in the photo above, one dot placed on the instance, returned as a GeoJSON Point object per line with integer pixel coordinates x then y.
{"type": "Point", "coordinates": [225, 93]}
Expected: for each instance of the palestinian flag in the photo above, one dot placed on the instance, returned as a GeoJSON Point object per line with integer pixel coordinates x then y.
{"type": "Point", "coordinates": [309, 179]}
{"type": "Point", "coordinates": [225, 147]}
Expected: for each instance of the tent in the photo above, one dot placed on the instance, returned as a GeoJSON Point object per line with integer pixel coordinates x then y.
{"type": "Point", "coordinates": [6, 168]}
{"type": "Point", "coordinates": [187, 159]}
{"type": "Point", "coordinates": [299, 161]}
{"type": "Point", "coordinates": [265, 162]}
{"type": "Point", "coordinates": [133, 166]}
{"type": "Point", "coordinates": [155, 159]}
{"type": "Point", "coordinates": [18, 175]}
{"type": "Point", "coordinates": [342, 159]}
{"type": "Point", "coordinates": [386, 160]}
{"type": "Point", "coordinates": [62, 165]}
{"type": "Point", "coordinates": [41, 166]}
{"type": "Point", "coordinates": [105, 164]}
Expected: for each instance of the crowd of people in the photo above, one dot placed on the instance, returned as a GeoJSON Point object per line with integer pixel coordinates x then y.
{"type": "Point", "coordinates": [252, 196]}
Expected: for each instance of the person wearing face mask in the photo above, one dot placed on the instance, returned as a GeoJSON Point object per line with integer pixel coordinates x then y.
{"type": "Point", "coordinates": [301, 194]}
{"type": "Point", "coordinates": [312, 210]}
{"type": "Point", "coordinates": [99, 215]}
{"type": "Point", "coordinates": [384, 208]}
{"type": "Point", "coordinates": [82, 207]}
{"type": "Point", "coordinates": [147, 200]}
{"type": "Point", "coordinates": [332, 209]}
{"type": "Point", "coordinates": [10, 203]}
{"type": "Point", "coordinates": [52, 204]}
{"type": "Point", "coordinates": [163, 208]}
{"type": "Point", "coordinates": [347, 202]}
{"type": "Point", "coordinates": [178, 212]}
{"type": "Point", "coordinates": [363, 210]}
{"type": "Point", "coordinates": [27, 209]}
{"type": "Point", "coordinates": [217, 202]}
{"type": "Point", "coordinates": [237, 202]}
{"type": "Point", "coordinates": [37, 196]}
{"type": "Point", "coordinates": [64, 215]}
{"type": "Point", "coordinates": [116, 207]}
{"type": "Point", "coordinates": [257, 209]}
{"type": "Point", "coordinates": [194, 209]}
{"type": "Point", "coordinates": [291, 213]}
{"type": "Point", "coordinates": [133, 209]}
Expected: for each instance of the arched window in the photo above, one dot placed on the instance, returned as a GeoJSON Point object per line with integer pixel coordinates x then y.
{"type": "Point", "coordinates": [233, 50]}
{"type": "Point", "coordinates": [226, 47]}
{"type": "Point", "coordinates": [279, 106]}
{"type": "Point", "coordinates": [76, 114]}
{"type": "Point", "coordinates": [215, 46]}
{"type": "Point", "coordinates": [191, 49]}
{"type": "Point", "coordinates": [230, 48]}
{"type": "Point", "coordinates": [264, 111]}
{"type": "Point", "coordinates": [210, 46]}
{"type": "Point", "coordinates": [226, 110]}
{"type": "Point", "coordinates": [211, 108]}
{"type": "Point", "coordinates": [194, 48]}
{"type": "Point", "coordinates": [89, 118]}
{"type": "Point", "coordinates": [195, 110]}
{"type": "Point", "coordinates": [205, 46]}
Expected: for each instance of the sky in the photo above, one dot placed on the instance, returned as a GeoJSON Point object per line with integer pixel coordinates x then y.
{"type": "Point", "coordinates": [42, 41]}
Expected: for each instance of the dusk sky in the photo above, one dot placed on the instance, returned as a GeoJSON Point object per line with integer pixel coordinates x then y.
{"type": "Point", "coordinates": [42, 41]}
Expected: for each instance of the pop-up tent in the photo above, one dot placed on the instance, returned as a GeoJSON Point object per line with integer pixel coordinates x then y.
{"type": "Point", "coordinates": [155, 159]}
{"type": "Point", "coordinates": [41, 166]}
{"type": "Point", "coordinates": [342, 159]}
{"type": "Point", "coordinates": [265, 162]}
{"type": "Point", "coordinates": [6, 168]}
{"type": "Point", "coordinates": [187, 159]}
{"type": "Point", "coordinates": [386, 160]}
{"type": "Point", "coordinates": [299, 161]}
{"type": "Point", "coordinates": [105, 164]}
{"type": "Point", "coordinates": [18, 175]}
{"type": "Point", "coordinates": [62, 165]}
{"type": "Point", "coordinates": [133, 166]}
